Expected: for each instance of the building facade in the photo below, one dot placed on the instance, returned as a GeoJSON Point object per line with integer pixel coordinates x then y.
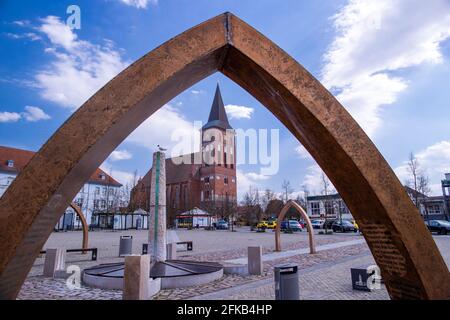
{"type": "Point", "coordinates": [204, 179]}
{"type": "Point", "coordinates": [330, 206]}
{"type": "Point", "coordinates": [99, 194]}
{"type": "Point", "coordinates": [433, 207]}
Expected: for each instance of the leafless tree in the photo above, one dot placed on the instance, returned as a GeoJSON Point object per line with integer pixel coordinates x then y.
{"type": "Point", "coordinates": [326, 189]}
{"type": "Point", "coordinates": [268, 196]}
{"type": "Point", "coordinates": [418, 180]}
{"type": "Point", "coordinates": [251, 201]}
{"type": "Point", "coordinates": [287, 190]}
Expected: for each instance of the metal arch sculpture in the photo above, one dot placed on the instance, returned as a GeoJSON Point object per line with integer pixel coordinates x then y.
{"type": "Point", "coordinates": [410, 262]}
{"type": "Point", "coordinates": [287, 206]}
{"type": "Point", "coordinates": [84, 224]}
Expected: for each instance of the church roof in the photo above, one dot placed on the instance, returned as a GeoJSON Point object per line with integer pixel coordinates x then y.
{"type": "Point", "coordinates": [217, 116]}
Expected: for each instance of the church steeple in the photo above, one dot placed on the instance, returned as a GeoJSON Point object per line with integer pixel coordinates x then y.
{"type": "Point", "coordinates": [217, 116]}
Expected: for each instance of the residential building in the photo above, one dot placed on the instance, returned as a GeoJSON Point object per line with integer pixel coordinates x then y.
{"type": "Point", "coordinates": [327, 206]}
{"type": "Point", "coordinates": [100, 193]}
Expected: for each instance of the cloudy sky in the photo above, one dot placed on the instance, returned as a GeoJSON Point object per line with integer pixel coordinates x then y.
{"type": "Point", "coordinates": [386, 61]}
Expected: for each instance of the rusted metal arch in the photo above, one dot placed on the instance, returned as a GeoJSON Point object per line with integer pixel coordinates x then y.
{"type": "Point", "coordinates": [410, 262]}
{"type": "Point", "coordinates": [84, 224]}
{"type": "Point", "coordinates": [287, 206]}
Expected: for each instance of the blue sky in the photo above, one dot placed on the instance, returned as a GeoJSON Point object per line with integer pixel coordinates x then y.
{"type": "Point", "coordinates": [386, 61]}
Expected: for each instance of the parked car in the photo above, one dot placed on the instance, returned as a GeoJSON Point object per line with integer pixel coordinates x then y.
{"type": "Point", "coordinates": [262, 225]}
{"type": "Point", "coordinates": [222, 225]}
{"type": "Point", "coordinates": [272, 224]}
{"type": "Point", "coordinates": [439, 226]}
{"type": "Point", "coordinates": [355, 224]}
{"type": "Point", "coordinates": [291, 224]}
{"type": "Point", "coordinates": [317, 224]}
{"type": "Point", "coordinates": [343, 226]}
{"type": "Point", "coordinates": [328, 224]}
{"type": "Point", "coordinates": [302, 224]}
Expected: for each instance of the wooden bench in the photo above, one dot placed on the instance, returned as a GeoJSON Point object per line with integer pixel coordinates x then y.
{"type": "Point", "coordinates": [189, 246]}
{"type": "Point", "coordinates": [93, 250]}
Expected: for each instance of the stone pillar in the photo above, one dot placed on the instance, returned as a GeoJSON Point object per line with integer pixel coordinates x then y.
{"type": "Point", "coordinates": [55, 260]}
{"type": "Point", "coordinates": [171, 251]}
{"type": "Point", "coordinates": [157, 217]}
{"type": "Point", "coordinates": [255, 264]}
{"type": "Point", "coordinates": [136, 277]}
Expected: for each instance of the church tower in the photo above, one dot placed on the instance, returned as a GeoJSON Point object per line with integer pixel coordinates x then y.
{"type": "Point", "coordinates": [218, 170]}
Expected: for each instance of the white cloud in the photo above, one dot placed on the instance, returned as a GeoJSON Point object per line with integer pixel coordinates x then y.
{"type": "Point", "coordinates": [31, 114]}
{"type": "Point", "coordinates": [27, 35]}
{"type": "Point", "coordinates": [124, 177]}
{"type": "Point", "coordinates": [34, 114]}
{"type": "Point", "coordinates": [378, 37]}
{"type": "Point", "coordinates": [6, 116]}
{"type": "Point", "coordinates": [79, 69]}
{"type": "Point", "coordinates": [303, 153]}
{"type": "Point", "coordinates": [140, 4]}
{"type": "Point", "coordinates": [256, 176]}
{"type": "Point", "coordinates": [21, 23]}
{"type": "Point", "coordinates": [168, 128]}
{"type": "Point", "coordinates": [119, 155]}
{"type": "Point", "coordinates": [434, 161]}
{"type": "Point", "coordinates": [58, 32]}
{"type": "Point", "coordinates": [196, 92]}
{"type": "Point", "coordinates": [313, 181]}
{"type": "Point", "coordinates": [238, 112]}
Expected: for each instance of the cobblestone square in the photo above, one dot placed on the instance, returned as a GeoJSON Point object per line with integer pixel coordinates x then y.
{"type": "Point", "coordinates": [324, 275]}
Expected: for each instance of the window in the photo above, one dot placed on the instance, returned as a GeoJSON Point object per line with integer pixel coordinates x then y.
{"type": "Point", "coordinates": [225, 180]}
{"type": "Point", "coordinates": [97, 190]}
{"type": "Point", "coordinates": [104, 191]}
{"type": "Point", "coordinates": [206, 179]}
{"type": "Point", "coordinates": [315, 208]}
{"type": "Point", "coordinates": [10, 163]}
{"type": "Point", "coordinates": [434, 209]}
{"type": "Point", "coordinates": [102, 176]}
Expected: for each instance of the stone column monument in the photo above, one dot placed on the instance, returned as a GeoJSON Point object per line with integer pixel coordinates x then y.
{"type": "Point", "coordinates": [157, 217]}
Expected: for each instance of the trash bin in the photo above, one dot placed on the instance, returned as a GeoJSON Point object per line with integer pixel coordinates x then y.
{"type": "Point", "coordinates": [125, 246]}
{"type": "Point", "coordinates": [286, 282]}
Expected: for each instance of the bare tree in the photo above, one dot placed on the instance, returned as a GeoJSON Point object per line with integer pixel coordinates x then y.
{"type": "Point", "coordinates": [268, 196]}
{"type": "Point", "coordinates": [287, 190]}
{"type": "Point", "coordinates": [418, 180]}
{"type": "Point", "coordinates": [326, 188]}
{"type": "Point", "coordinates": [251, 201]}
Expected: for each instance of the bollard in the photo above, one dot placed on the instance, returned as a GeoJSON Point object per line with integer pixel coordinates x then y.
{"type": "Point", "coordinates": [254, 263]}
{"type": "Point", "coordinates": [171, 251]}
{"type": "Point", "coordinates": [136, 277]}
{"type": "Point", "coordinates": [55, 260]}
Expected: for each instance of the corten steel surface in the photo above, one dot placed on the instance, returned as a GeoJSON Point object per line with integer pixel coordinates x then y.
{"type": "Point", "coordinates": [84, 224]}
{"type": "Point", "coordinates": [402, 246]}
{"type": "Point", "coordinates": [282, 214]}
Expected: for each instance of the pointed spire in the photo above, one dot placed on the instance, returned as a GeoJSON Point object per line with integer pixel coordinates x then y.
{"type": "Point", "coordinates": [217, 116]}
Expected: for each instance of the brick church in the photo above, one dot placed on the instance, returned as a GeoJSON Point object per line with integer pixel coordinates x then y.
{"type": "Point", "coordinates": [204, 179]}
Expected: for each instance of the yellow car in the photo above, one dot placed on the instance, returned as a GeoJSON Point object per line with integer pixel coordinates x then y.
{"type": "Point", "coordinates": [272, 224]}
{"type": "Point", "coordinates": [355, 224]}
{"type": "Point", "coordinates": [262, 225]}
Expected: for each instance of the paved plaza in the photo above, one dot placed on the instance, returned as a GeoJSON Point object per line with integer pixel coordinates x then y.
{"type": "Point", "coordinates": [324, 275]}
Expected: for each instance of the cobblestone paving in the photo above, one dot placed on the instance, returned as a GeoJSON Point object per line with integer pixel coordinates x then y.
{"type": "Point", "coordinates": [330, 282]}
{"type": "Point", "coordinates": [324, 275]}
